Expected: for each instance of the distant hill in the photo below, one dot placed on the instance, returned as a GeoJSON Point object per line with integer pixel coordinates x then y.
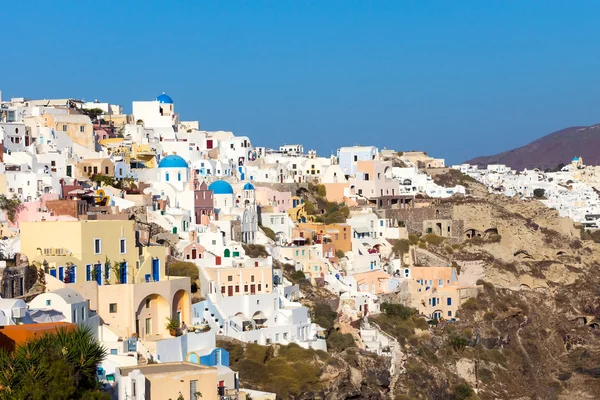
{"type": "Point", "coordinates": [551, 150]}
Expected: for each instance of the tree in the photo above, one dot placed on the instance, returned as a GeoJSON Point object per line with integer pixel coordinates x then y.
{"type": "Point", "coordinates": [340, 253]}
{"type": "Point", "coordinates": [93, 113]}
{"type": "Point", "coordinates": [539, 193]}
{"type": "Point", "coordinates": [103, 180]}
{"type": "Point", "coordinates": [401, 247]}
{"type": "Point", "coordinates": [11, 206]}
{"type": "Point", "coordinates": [321, 190]}
{"type": "Point", "coordinates": [53, 366]}
{"type": "Point", "coordinates": [335, 217]}
{"type": "Point", "coordinates": [183, 268]}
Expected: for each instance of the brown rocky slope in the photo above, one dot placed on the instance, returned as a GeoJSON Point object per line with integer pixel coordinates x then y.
{"type": "Point", "coordinates": [551, 150]}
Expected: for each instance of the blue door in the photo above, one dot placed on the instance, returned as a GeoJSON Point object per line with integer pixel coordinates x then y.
{"type": "Point", "coordinates": [155, 269]}
{"type": "Point", "coordinates": [53, 272]}
{"type": "Point", "coordinates": [123, 272]}
{"type": "Point", "coordinates": [61, 273]}
{"type": "Point", "coordinates": [98, 270]}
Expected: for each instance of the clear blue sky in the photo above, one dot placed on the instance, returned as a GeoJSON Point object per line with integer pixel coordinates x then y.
{"type": "Point", "coordinates": [457, 79]}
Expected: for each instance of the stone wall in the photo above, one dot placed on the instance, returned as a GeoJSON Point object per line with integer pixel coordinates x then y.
{"type": "Point", "coordinates": [16, 281]}
{"type": "Point", "coordinates": [424, 258]}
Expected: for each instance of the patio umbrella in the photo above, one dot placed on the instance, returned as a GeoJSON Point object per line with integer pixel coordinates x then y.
{"type": "Point", "coordinates": [41, 316]}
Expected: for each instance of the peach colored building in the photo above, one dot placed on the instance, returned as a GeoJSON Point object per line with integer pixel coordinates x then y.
{"type": "Point", "coordinates": [375, 282]}
{"type": "Point", "coordinates": [278, 201]}
{"type": "Point", "coordinates": [165, 381]}
{"type": "Point", "coordinates": [339, 234]}
{"type": "Point", "coordinates": [434, 291]}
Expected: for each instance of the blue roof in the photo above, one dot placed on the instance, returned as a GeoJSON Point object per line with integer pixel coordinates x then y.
{"type": "Point", "coordinates": [248, 186]}
{"type": "Point", "coordinates": [575, 158]}
{"type": "Point", "coordinates": [172, 161]}
{"type": "Point", "coordinates": [163, 98]}
{"type": "Point", "coordinates": [220, 187]}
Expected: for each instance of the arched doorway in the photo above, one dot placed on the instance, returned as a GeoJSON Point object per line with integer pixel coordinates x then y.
{"type": "Point", "coordinates": [151, 316]}
{"type": "Point", "coordinates": [181, 306]}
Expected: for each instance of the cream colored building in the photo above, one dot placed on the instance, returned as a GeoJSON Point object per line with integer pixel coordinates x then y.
{"type": "Point", "coordinates": [236, 281]}
{"type": "Point", "coordinates": [77, 126]}
{"type": "Point", "coordinates": [167, 381]}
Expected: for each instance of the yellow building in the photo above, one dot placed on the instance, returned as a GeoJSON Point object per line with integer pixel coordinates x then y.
{"type": "Point", "coordinates": [125, 284]}
{"type": "Point", "coordinates": [434, 291]}
{"type": "Point", "coordinates": [144, 154]}
{"type": "Point", "coordinates": [297, 213]}
{"type": "Point", "coordinates": [92, 166]}
{"type": "Point", "coordinates": [77, 126]}
{"type": "Point", "coordinates": [167, 381]}
{"type": "Point", "coordinates": [309, 257]}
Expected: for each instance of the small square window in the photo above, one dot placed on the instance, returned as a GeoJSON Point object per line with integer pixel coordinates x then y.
{"type": "Point", "coordinates": [230, 278]}
{"type": "Point", "coordinates": [48, 302]}
{"type": "Point", "coordinates": [112, 308]}
{"type": "Point", "coordinates": [114, 352]}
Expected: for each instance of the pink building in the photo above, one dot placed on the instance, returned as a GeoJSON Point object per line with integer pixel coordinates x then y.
{"type": "Point", "coordinates": [280, 201]}
{"type": "Point", "coordinates": [35, 211]}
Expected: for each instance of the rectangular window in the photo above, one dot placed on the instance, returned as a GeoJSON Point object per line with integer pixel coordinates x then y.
{"type": "Point", "coordinates": [230, 278]}
{"type": "Point", "coordinates": [112, 308]}
{"type": "Point", "coordinates": [193, 390]}
{"type": "Point", "coordinates": [48, 303]}
{"type": "Point", "coordinates": [82, 129]}
{"type": "Point", "coordinates": [148, 326]}
{"type": "Point", "coordinates": [64, 128]}
{"type": "Point", "coordinates": [123, 246]}
{"type": "Point", "coordinates": [252, 278]}
{"type": "Point", "coordinates": [222, 289]}
{"type": "Point", "coordinates": [114, 352]}
{"type": "Point", "coordinates": [259, 287]}
{"type": "Point", "coordinates": [237, 288]}
{"type": "Point", "coordinates": [97, 246]}
{"type": "Point", "coordinates": [88, 272]}
{"type": "Point", "coordinates": [245, 288]}
{"type": "Point", "coordinates": [449, 301]}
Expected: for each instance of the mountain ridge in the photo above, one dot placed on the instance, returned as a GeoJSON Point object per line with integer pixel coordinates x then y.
{"type": "Point", "coordinates": [551, 150]}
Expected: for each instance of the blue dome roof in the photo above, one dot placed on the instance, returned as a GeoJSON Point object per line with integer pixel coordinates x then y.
{"type": "Point", "coordinates": [248, 186]}
{"type": "Point", "coordinates": [163, 98]}
{"type": "Point", "coordinates": [221, 187]}
{"type": "Point", "coordinates": [172, 161]}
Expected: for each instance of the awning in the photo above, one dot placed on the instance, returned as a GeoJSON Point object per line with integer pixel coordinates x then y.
{"type": "Point", "coordinates": [299, 239]}
{"type": "Point", "coordinates": [361, 229]}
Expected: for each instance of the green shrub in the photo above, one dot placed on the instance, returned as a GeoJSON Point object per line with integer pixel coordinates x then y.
{"type": "Point", "coordinates": [346, 211]}
{"type": "Point", "coordinates": [458, 342]}
{"type": "Point", "coordinates": [321, 190]}
{"type": "Point", "coordinates": [470, 304]}
{"type": "Point", "coordinates": [434, 239]}
{"type": "Point", "coordinates": [489, 316]}
{"type": "Point", "coordinates": [338, 342]}
{"type": "Point", "coordinates": [297, 276]}
{"type": "Point", "coordinates": [463, 391]}
{"type": "Point", "coordinates": [324, 315]}
{"type": "Point", "coordinates": [269, 232]}
{"type": "Point", "coordinates": [421, 323]}
{"type": "Point", "coordinates": [255, 250]}
{"type": "Point", "coordinates": [256, 353]}
{"type": "Point", "coordinates": [335, 217]}
{"type": "Point", "coordinates": [422, 245]}
{"type": "Point", "coordinates": [449, 249]}
{"type": "Point", "coordinates": [414, 239]}
{"type": "Point", "coordinates": [309, 207]}
{"type": "Point", "coordinates": [183, 268]}
{"type": "Point", "coordinates": [340, 254]}
{"type": "Point", "coordinates": [401, 246]}
{"type": "Point", "coordinates": [398, 310]}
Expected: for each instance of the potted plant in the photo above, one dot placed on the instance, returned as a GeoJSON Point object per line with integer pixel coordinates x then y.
{"type": "Point", "coordinates": [172, 326]}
